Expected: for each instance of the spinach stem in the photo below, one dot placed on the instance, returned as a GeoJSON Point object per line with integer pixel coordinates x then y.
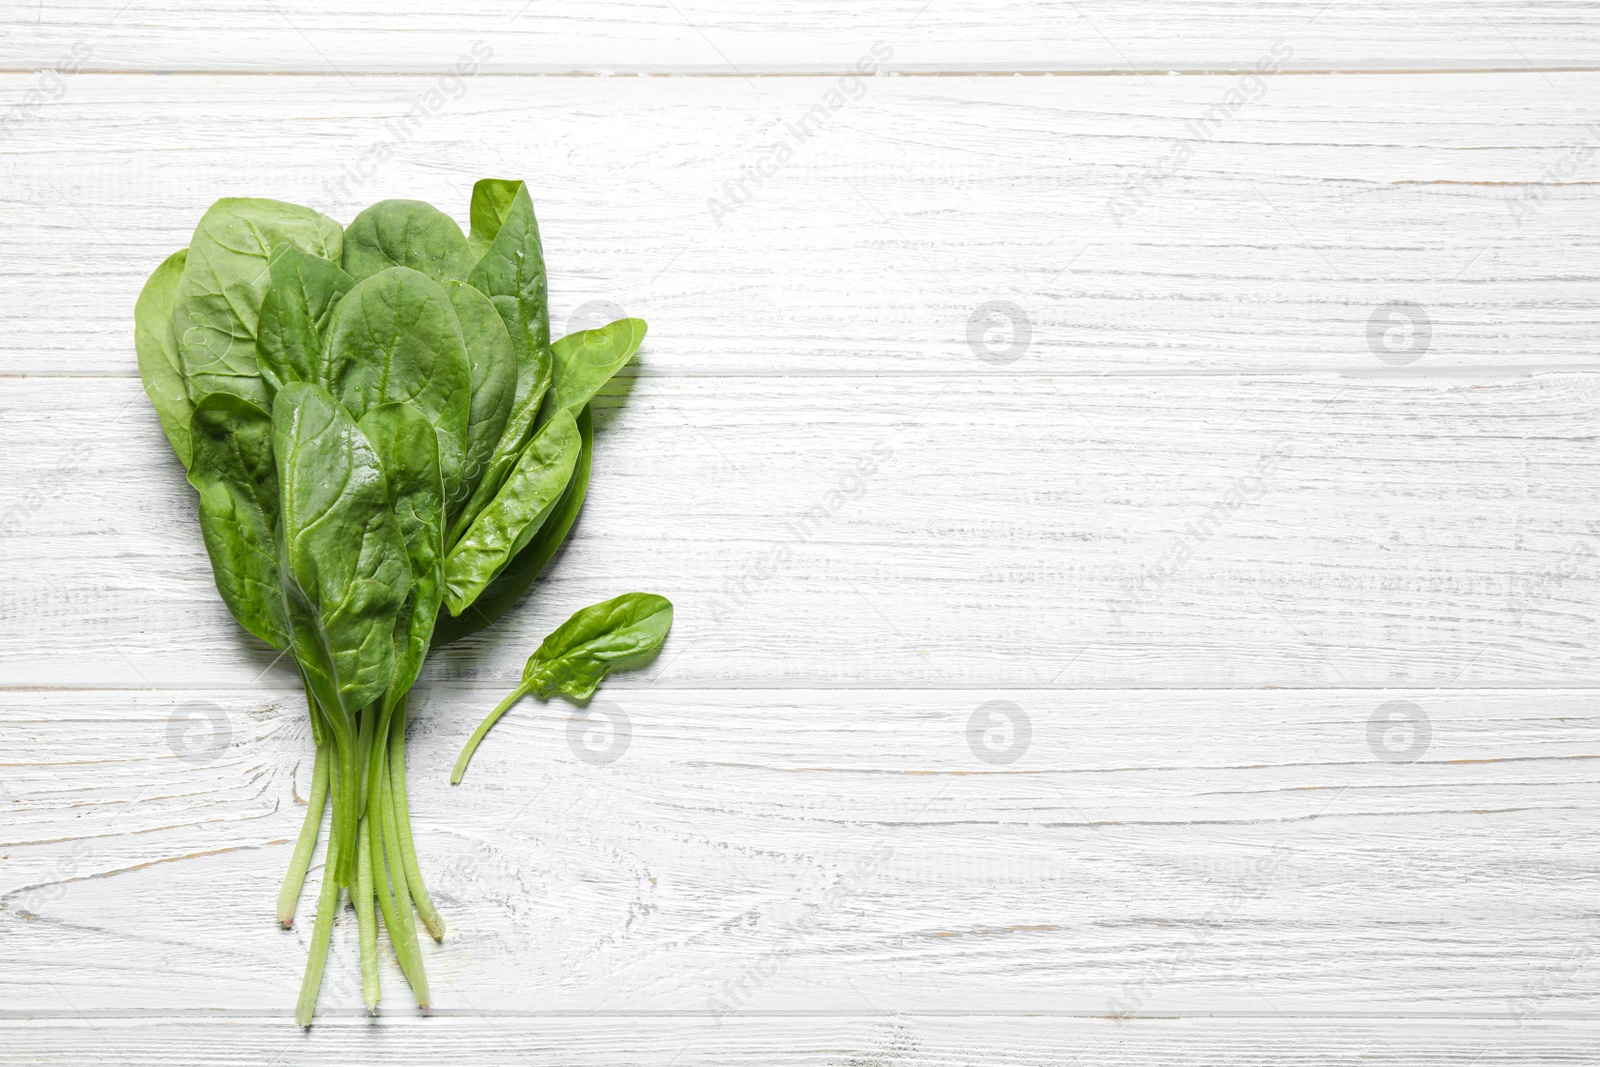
{"type": "Point", "coordinates": [345, 797]}
{"type": "Point", "coordinates": [398, 917]}
{"type": "Point", "coordinates": [379, 744]}
{"type": "Point", "coordinates": [366, 719]}
{"type": "Point", "coordinates": [361, 895]}
{"type": "Point", "coordinates": [402, 812]}
{"type": "Point", "coordinates": [300, 861]}
{"type": "Point", "coordinates": [322, 932]}
{"type": "Point", "coordinates": [483, 728]}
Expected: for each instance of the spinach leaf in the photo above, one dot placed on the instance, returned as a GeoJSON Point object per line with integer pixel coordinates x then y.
{"type": "Point", "coordinates": [225, 278]}
{"type": "Point", "coordinates": [508, 449]}
{"type": "Point", "coordinates": [586, 360]}
{"type": "Point", "coordinates": [494, 378]}
{"type": "Point", "coordinates": [395, 337]}
{"type": "Point", "coordinates": [491, 203]}
{"type": "Point", "coordinates": [295, 315]}
{"type": "Point", "coordinates": [234, 474]}
{"type": "Point", "coordinates": [512, 582]}
{"type": "Point", "coordinates": [345, 576]}
{"type": "Point", "coordinates": [406, 233]}
{"type": "Point", "coordinates": [614, 634]}
{"type": "Point", "coordinates": [511, 272]}
{"type": "Point", "coordinates": [511, 520]}
{"type": "Point", "coordinates": [160, 368]}
{"type": "Point", "coordinates": [344, 564]}
{"type": "Point", "coordinates": [408, 451]}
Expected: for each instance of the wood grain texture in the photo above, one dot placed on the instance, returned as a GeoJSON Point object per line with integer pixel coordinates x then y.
{"type": "Point", "coordinates": [829, 851]}
{"type": "Point", "coordinates": [727, 37]}
{"type": "Point", "coordinates": [1012, 1041]}
{"type": "Point", "coordinates": [1231, 531]}
{"type": "Point", "coordinates": [882, 243]}
{"type": "Point", "coordinates": [1133, 538]}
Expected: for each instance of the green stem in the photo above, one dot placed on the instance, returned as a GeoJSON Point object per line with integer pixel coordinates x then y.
{"type": "Point", "coordinates": [483, 727]}
{"type": "Point", "coordinates": [346, 810]}
{"type": "Point", "coordinates": [397, 914]}
{"type": "Point", "coordinates": [402, 811]}
{"type": "Point", "coordinates": [380, 743]}
{"type": "Point", "coordinates": [300, 861]}
{"type": "Point", "coordinates": [366, 720]}
{"type": "Point", "coordinates": [367, 920]}
{"type": "Point", "coordinates": [322, 932]}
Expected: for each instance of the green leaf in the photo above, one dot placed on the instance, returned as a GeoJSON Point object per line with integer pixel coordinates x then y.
{"type": "Point", "coordinates": [343, 560]}
{"type": "Point", "coordinates": [586, 360]}
{"type": "Point", "coordinates": [395, 337]}
{"type": "Point", "coordinates": [511, 272]}
{"type": "Point", "coordinates": [596, 640]}
{"type": "Point", "coordinates": [521, 506]}
{"type": "Point", "coordinates": [406, 233]}
{"type": "Point", "coordinates": [224, 281]}
{"type": "Point", "coordinates": [408, 451]}
{"type": "Point", "coordinates": [494, 378]}
{"type": "Point", "coordinates": [612, 635]}
{"type": "Point", "coordinates": [512, 582]}
{"type": "Point", "coordinates": [295, 315]}
{"type": "Point", "coordinates": [491, 203]}
{"type": "Point", "coordinates": [160, 367]}
{"type": "Point", "coordinates": [233, 472]}
{"type": "Point", "coordinates": [513, 441]}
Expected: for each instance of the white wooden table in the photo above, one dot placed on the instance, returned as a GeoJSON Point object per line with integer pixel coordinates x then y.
{"type": "Point", "coordinates": [1127, 475]}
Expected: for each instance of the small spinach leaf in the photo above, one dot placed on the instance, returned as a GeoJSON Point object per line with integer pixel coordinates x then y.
{"type": "Point", "coordinates": [395, 337]}
{"type": "Point", "coordinates": [160, 367]}
{"type": "Point", "coordinates": [511, 520]}
{"type": "Point", "coordinates": [233, 472]}
{"type": "Point", "coordinates": [614, 634]}
{"type": "Point", "coordinates": [295, 315]}
{"type": "Point", "coordinates": [406, 233]}
{"type": "Point", "coordinates": [597, 639]}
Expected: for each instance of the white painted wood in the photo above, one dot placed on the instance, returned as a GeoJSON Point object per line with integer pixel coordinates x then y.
{"type": "Point", "coordinates": [871, 533]}
{"type": "Point", "coordinates": [1041, 532]}
{"type": "Point", "coordinates": [815, 1042]}
{"type": "Point", "coordinates": [875, 248]}
{"type": "Point", "coordinates": [834, 851]}
{"type": "Point", "coordinates": [727, 37]}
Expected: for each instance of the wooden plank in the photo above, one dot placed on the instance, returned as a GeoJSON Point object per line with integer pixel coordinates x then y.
{"type": "Point", "coordinates": [856, 852]}
{"type": "Point", "coordinates": [651, 1041]}
{"type": "Point", "coordinates": [724, 37]}
{"type": "Point", "coordinates": [973, 226]}
{"type": "Point", "coordinates": [1014, 531]}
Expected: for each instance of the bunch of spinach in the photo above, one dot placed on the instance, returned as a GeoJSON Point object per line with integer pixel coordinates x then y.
{"type": "Point", "coordinates": [387, 448]}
